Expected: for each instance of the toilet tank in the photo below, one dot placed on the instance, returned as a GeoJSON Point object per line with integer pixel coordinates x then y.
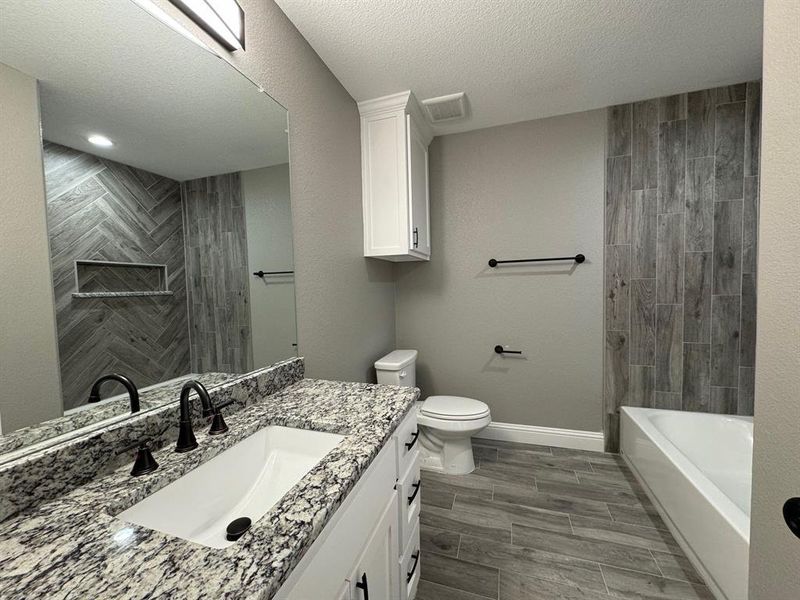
{"type": "Point", "coordinates": [398, 368]}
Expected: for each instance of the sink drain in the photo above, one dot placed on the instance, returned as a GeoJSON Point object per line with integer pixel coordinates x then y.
{"type": "Point", "coordinates": [237, 528]}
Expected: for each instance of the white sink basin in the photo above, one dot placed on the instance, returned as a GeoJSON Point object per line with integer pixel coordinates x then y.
{"type": "Point", "coordinates": [244, 481]}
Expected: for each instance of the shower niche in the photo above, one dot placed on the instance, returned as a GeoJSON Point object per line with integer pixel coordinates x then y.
{"type": "Point", "coordinates": [111, 279]}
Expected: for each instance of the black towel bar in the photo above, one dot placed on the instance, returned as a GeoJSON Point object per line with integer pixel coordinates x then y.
{"type": "Point", "coordinates": [263, 274]}
{"type": "Point", "coordinates": [578, 258]}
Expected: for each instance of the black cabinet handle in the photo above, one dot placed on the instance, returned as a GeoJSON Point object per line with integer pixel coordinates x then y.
{"type": "Point", "coordinates": [363, 585]}
{"type": "Point", "coordinates": [410, 574]}
{"type": "Point", "coordinates": [410, 445]}
{"type": "Point", "coordinates": [791, 514]}
{"type": "Point", "coordinates": [416, 237]}
{"type": "Point", "coordinates": [416, 491]}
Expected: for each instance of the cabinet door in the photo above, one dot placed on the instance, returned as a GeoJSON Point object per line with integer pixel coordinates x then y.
{"type": "Point", "coordinates": [420, 239]}
{"type": "Point", "coordinates": [375, 575]}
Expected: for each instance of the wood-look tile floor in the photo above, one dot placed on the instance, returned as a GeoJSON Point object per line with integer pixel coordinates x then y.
{"type": "Point", "coordinates": [541, 523]}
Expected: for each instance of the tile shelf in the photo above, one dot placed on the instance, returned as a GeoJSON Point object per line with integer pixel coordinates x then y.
{"type": "Point", "coordinates": [120, 294]}
{"type": "Point", "coordinates": [111, 279]}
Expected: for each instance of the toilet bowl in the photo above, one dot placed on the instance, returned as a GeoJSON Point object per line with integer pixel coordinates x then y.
{"type": "Point", "coordinates": [446, 423]}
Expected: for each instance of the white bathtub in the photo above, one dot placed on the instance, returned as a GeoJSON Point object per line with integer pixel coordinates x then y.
{"type": "Point", "coordinates": [697, 469]}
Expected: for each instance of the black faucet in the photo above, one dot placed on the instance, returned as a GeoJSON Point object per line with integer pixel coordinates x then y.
{"type": "Point", "coordinates": [133, 393]}
{"type": "Point", "coordinates": [186, 439]}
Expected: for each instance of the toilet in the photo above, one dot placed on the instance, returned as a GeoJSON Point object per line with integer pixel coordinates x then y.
{"type": "Point", "coordinates": [446, 423]}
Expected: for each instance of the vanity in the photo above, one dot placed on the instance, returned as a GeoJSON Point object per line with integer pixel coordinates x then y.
{"type": "Point", "coordinates": [347, 528]}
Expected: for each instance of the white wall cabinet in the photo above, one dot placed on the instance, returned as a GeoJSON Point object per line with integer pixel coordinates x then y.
{"type": "Point", "coordinates": [371, 543]}
{"type": "Point", "coordinates": [394, 170]}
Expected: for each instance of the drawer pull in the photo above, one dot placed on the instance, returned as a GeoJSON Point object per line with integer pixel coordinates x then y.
{"type": "Point", "coordinates": [410, 574]}
{"type": "Point", "coordinates": [410, 445]}
{"type": "Point", "coordinates": [363, 585]}
{"type": "Point", "coordinates": [416, 491]}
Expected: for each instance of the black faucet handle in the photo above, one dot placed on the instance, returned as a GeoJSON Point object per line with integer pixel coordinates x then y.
{"type": "Point", "coordinates": [218, 425]}
{"type": "Point", "coordinates": [144, 463]}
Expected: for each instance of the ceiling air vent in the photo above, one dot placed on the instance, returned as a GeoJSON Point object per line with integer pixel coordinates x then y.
{"type": "Point", "coordinates": [446, 108]}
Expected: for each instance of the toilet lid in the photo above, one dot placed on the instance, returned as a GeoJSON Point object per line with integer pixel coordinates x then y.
{"type": "Point", "coordinates": [454, 407]}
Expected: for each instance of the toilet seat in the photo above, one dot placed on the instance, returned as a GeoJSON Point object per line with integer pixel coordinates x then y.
{"type": "Point", "coordinates": [454, 408]}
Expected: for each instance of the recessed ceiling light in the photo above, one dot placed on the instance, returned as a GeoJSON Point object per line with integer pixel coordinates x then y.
{"type": "Point", "coordinates": [100, 140]}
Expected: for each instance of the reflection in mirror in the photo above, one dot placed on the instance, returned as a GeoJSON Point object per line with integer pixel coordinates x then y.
{"type": "Point", "coordinates": [166, 183]}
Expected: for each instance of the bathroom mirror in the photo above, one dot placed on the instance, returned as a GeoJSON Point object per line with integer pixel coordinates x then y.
{"type": "Point", "coordinates": [166, 178]}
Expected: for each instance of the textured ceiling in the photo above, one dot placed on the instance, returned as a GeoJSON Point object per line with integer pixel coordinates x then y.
{"type": "Point", "coordinates": [171, 107]}
{"type": "Point", "coordinates": [528, 59]}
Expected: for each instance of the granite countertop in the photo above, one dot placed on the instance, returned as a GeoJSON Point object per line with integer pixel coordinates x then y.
{"type": "Point", "coordinates": [74, 547]}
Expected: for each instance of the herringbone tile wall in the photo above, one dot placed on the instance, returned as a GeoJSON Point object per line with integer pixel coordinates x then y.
{"type": "Point", "coordinates": [681, 230]}
{"type": "Point", "coordinates": [102, 210]}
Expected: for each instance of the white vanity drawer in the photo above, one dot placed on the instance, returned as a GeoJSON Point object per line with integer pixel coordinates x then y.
{"type": "Point", "coordinates": [410, 567]}
{"type": "Point", "coordinates": [410, 499]}
{"type": "Point", "coordinates": [407, 434]}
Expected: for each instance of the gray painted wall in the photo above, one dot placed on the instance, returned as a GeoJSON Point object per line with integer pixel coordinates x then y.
{"type": "Point", "coordinates": [531, 189]}
{"type": "Point", "coordinates": [268, 218]}
{"type": "Point", "coordinates": [98, 209]}
{"type": "Point", "coordinates": [774, 551]}
{"type": "Point", "coordinates": [28, 355]}
{"type": "Point", "coordinates": [345, 302]}
{"type": "Point", "coordinates": [681, 241]}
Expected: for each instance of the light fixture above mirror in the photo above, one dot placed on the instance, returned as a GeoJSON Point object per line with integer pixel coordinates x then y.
{"type": "Point", "coordinates": [221, 19]}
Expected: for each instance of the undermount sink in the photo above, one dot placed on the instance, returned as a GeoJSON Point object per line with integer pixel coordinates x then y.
{"type": "Point", "coordinates": [246, 480]}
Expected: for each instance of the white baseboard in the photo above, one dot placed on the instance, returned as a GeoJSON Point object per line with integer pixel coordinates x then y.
{"type": "Point", "coordinates": [544, 436]}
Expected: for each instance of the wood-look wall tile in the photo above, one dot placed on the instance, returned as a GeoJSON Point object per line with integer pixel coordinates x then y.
{"type": "Point", "coordinates": [616, 383]}
{"type": "Point", "coordinates": [669, 347]}
{"type": "Point", "coordinates": [729, 152]}
{"type": "Point", "coordinates": [669, 259]}
{"type": "Point", "coordinates": [727, 247]}
{"type": "Point", "coordinates": [643, 317]}
{"type": "Point", "coordinates": [672, 108]}
{"type": "Point", "coordinates": [617, 276]}
{"type": "Point", "coordinates": [618, 200]}
{"type": "Point", "coordinates": [749, 225]}
{"type": "Point", "coordinates": [699, 204]}
{"type": "Point", "coordinates": [619, 130]}
{"type": "Point", "coordinates": [643, 233]}
{"type": "Point", "coordinates": [668, 401]}
{"type": "Point", "coordinates": [697, 298]}
{"type": "Point", "coordinates": [724, 401]}
{"type": "Point", "coordinates": [671, 166]}
{"type": "Point", "coordinates": [645, 145]}
{"type": "Point", "coordinates": [700, 124]}
{"type": "Point", "coordinates": [730, 93]}
{"type": "Point", "coordinates": [752, 127]}
{"type": "Point", "coordinates": [642, 386]}
{"type": "Point", "coordinates": [747, 384]}
{"type": "Point", "coordinates": [725, 341]}
{"type": "Point", "coordinates": [696, 377]}
{"type": "Point", "coordinates": [747, 340]}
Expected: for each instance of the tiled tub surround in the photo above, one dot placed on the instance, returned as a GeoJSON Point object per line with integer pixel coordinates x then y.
{"type": "Point", "coordinates": [74, 548]}
{"type": "Point", "coordinates": [680, 257]}
{"type": "Point", "coordinates": [95, 414]}
{"type": "Point", "coordinates": [55, 471]}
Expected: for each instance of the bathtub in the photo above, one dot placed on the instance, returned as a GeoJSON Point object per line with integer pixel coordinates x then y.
{"type": "Point", "coordinates": [697, 469]}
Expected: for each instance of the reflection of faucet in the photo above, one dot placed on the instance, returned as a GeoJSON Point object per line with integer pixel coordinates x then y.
{"type": "Point", "coordinates": [133, 393]}
{"type": "Point", "coordinates": [186, 439]}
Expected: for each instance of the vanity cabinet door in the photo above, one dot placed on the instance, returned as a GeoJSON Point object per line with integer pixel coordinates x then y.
{"type": "Point", "coordinates": [375, 574]}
